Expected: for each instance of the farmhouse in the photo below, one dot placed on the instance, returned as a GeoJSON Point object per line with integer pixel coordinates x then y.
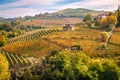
{"type": "Point", "coordinates": [68, 27]}
{"type": "Point", "coordinates": [100, 16]}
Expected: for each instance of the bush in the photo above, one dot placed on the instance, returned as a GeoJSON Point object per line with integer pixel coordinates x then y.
{"type": "Point", "coordinates": [104, 36]}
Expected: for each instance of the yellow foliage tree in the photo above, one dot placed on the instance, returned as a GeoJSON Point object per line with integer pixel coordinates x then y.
{"type": "Point", "coordinates": [112, 19]}
{"type": "Point", "coordinates": [2, 40]}
{"type": "Point", "coordinates": [4, 73]}
{"type": "Point", "coordinates": [103, 22]}
{"type": "Point", "coordinates": [108, 22]}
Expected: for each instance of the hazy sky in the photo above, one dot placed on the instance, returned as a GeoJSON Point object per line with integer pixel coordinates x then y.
{"type": "Point", "coordinates": [14, 8]}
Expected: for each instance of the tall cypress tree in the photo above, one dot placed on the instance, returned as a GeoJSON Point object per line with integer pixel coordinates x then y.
{"type": "Point", "coordinates": [118, 16]}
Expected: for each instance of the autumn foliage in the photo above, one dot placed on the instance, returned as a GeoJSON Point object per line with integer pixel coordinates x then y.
{"type": "Point", "coordinates": [107, 21]}
{"type": "Point", "coordinates": [4, 72]}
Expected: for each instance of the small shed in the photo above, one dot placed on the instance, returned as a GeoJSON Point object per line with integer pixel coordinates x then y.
{"type": "Point", "coordinates": [68, 27]}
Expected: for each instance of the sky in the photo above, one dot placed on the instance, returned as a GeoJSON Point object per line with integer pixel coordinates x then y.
{"type": "Point", "coordinates": [15, 8]}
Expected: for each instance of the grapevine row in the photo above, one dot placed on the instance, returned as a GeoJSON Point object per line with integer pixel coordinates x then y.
{"type": "Point", "coordinates": [17, 61]}
{"type": "Point", "coordinates": [34, 35]}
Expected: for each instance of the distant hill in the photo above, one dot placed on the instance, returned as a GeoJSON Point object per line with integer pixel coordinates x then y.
{"type": "Point", "coordinates": [58, 18]}
{"type": "Point", "coordinates": [65, 13]}
{"type": "Point", "coordinates": [78, 12]}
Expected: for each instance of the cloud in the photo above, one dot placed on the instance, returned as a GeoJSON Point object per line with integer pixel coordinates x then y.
{"type": "Point", "coordinates": [108, 5]}
{"type": "Point", "coordinates": [26, 7]}
{"type": "Point", "coordinates": [29, 3]}
{"type": "Point", "coordinates": [100, 4]}
{"type": "Point", "coordinates": [19, 12]}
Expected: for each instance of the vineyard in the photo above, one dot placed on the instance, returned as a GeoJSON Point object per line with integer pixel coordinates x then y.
{"type": "Point", "coordinates": [30, 48]}
{"type": "Point", "coordinates": [16, 61]}
{"type": "Point", "coordinates": [31, 36]}
{"type": "Point", "coordinates": [28, 53]}
{"type": "Point", "coordinates": [19, 50]}
{"type": "Point", "coordinates": [88, 39]}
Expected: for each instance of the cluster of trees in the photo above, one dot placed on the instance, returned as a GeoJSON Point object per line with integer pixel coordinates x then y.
{"type": "Point", "coordinates": [78, 66]}
{"type": "Point", "coordinates": [88, 17]}
{"type": "Point", "coordinates": [30, 27]}
{"type": "Point", "coordinates": [117, 14]}
{"type": "Point", "coordinates": [9, 30]}
{"type": "Point", "coordinates": [6, 26]}
{"type": "Point", "coordinates": [67, 65]}
{"type": "Point", "coordinates": [110, 21]}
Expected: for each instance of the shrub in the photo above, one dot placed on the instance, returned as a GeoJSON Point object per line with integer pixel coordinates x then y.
{"type": "Point", "coordinates": [104, 36]}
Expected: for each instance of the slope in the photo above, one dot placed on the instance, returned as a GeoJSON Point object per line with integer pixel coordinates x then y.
{"type": "Point", "coordinates": [78, 12]}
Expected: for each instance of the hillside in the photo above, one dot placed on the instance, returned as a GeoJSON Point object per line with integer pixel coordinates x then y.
{"type": "Point", "coordinates": [78, 12]}
{"type": "Point", "coordinates": [65, 13]}
{"type": "Point", "coordinates": [59, 18]}
{"type": "Point", "coordinates": [29, 51]}
{"type": "Point", "coordinates": [43, 42]}
{"type": "Point", "coordinates": [62, 17]}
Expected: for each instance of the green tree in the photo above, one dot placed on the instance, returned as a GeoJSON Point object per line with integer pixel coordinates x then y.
{"type": "Point", "coordinates": [27, 75]}
{"type": "Point", "coordinates": [88, 17]}
{"type": "Point", "coordinates": [53, 64]}
{"type": "Point", "coordinates": [67, 65]}
{"type": "Point", "coordinates": [118, 18]}
{"type": "Point", "coordinates": [110, 71]}
{"type": "Point", "coordinates": [4, 72]}
{"type": "Point", "coordinates": [117, 14]}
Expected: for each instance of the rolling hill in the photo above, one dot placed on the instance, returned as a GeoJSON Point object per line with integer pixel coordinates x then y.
{"type": "Point", "coordinates": [78, 12]}
{"type": "Point", "coordinates": [62, 17]}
